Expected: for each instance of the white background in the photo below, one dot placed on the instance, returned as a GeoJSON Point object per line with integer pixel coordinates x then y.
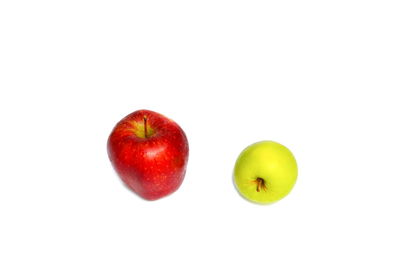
{"type": "Point", "coordinates": [320, 77]}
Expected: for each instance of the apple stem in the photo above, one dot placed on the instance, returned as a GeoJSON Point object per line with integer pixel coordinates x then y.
{"type": "Point", "coordinates": [145, 126]}
{"type": "Point", "coordinates": [260, 184]}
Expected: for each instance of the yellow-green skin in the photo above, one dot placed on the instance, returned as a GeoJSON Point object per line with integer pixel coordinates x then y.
{"type": "Point", "coordinates": [272, 162]}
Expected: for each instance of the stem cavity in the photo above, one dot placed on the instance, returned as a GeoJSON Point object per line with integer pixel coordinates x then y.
{"type": "Point", "coordinates": [145, 126]}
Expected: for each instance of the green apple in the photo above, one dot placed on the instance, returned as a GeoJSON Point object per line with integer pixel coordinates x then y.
{"type": "Point", "coordinates": [265, 172]}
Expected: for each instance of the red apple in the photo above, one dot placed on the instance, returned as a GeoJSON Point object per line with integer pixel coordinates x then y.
{"type": "Point", "coordinates": [149, 152]}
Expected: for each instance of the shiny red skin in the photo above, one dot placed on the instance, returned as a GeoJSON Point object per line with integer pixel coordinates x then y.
{"type": "Point", "coordinates": [152, 167]}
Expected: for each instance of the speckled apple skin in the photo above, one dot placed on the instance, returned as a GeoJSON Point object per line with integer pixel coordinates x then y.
{"type": "Point", "coordinates": [155, 166]}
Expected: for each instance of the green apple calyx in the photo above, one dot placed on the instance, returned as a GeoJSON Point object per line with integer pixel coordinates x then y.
{"type": "Point", "coordinates": [260, 184]}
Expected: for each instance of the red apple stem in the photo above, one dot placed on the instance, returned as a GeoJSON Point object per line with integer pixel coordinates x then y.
{"type": "Point", "coordinates": [260, 184]}
{"type": "Point", "coordinates": [145, 126]}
